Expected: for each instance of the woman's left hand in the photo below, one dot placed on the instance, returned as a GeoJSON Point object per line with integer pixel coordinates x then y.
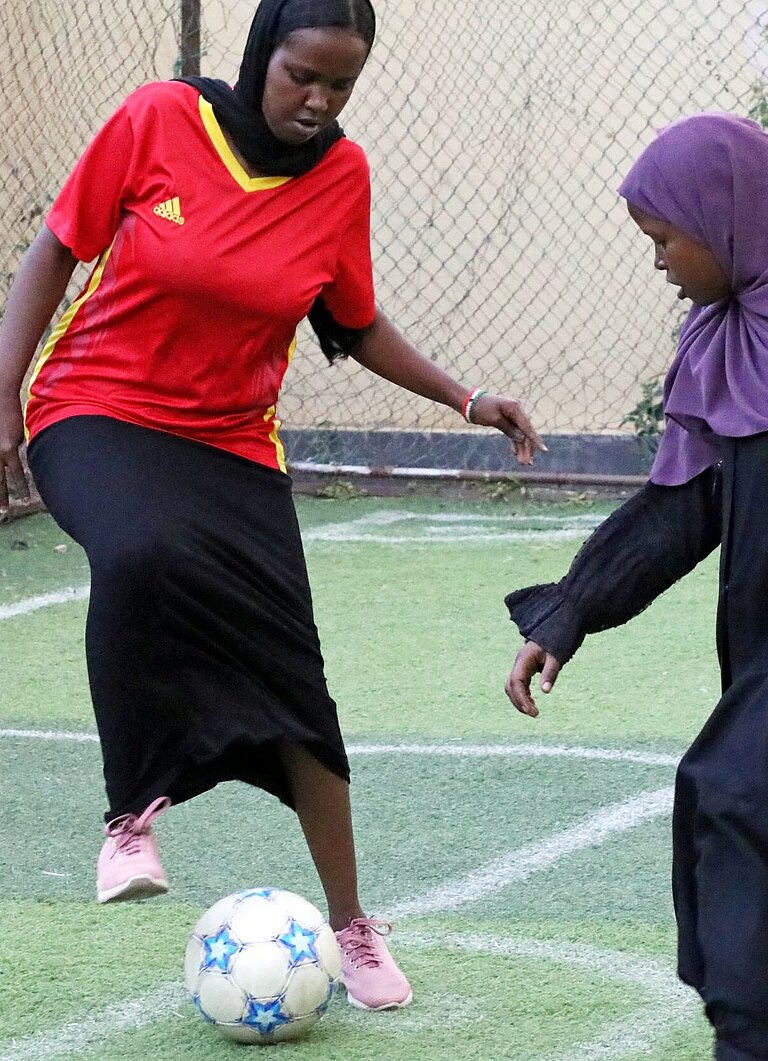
{"type": "Point", "coordinates": [506, 414]}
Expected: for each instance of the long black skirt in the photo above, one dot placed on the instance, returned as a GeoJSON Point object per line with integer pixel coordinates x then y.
{"type": "Point", "coordinates": [201, 644]}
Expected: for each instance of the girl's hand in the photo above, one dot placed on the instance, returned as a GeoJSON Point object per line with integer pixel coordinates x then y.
{"type": "Point", "coordinates": [11, 437]}
{"type": "Point", "coordinates": [531, 659]}
{"type": "Point", "coordinates": [506, 414]}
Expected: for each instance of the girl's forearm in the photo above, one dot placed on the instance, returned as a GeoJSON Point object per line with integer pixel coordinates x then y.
{"type": "Point", "coordinates": [37, 290]}
{"type": "Point", "coordinates": [383, 350]}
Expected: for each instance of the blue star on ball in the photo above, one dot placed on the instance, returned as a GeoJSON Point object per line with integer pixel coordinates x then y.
{"type": "Point", "coordinates": [218, 950]}
{"type": "Point", "coordinates": [265, 1017]}
{"type": "Point", "coordinates": [301, 942]}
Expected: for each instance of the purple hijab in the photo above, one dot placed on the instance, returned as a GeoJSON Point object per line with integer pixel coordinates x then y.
{"type": "Point", "coordinates": [708, 176]}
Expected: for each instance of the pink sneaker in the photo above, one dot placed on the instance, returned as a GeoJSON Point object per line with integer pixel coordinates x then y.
{"type": "Point", "coordinates": [128, 866]}
{"type": "Point", "coordinates": [368, 970]}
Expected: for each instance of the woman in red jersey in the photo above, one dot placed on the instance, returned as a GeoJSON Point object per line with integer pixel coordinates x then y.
{"type": "Point", "coordinates": [218, 219]}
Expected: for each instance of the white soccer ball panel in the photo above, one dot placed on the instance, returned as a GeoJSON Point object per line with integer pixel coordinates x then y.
{"type": "Point", "coordinates": [329, 952]}
{"type": "Point", "coordinates": [193, 959]}
{"type": "Point", "coordinates": [261, 969]}
{"type": "Point", "coordinates": [298, 908]}
{"type": "Point", "coordinates": [256, 919]}
{"type": "Point", "coordinates": [220, 999]}
{"type": "Point", "coordinates": [307, 989]}
{"type": "Point", "coordinates": [216, 916]}
{"type": "Point", "coordinates": [294, 1030]}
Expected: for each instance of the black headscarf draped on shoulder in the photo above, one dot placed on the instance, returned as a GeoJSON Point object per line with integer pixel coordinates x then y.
{"type": "Point", "coordinates": [239, 111]}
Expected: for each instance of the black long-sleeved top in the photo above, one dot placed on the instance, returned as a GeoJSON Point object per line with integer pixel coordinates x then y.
{"type": "Point", "coordinates": [643, 548]}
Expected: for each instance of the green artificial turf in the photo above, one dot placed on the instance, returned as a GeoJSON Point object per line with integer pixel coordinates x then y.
{"type": "Point", "coordinates": [418, 646]}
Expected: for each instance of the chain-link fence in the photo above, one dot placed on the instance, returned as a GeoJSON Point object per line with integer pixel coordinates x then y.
{"type": "Point", "coordinates": [497, 132]}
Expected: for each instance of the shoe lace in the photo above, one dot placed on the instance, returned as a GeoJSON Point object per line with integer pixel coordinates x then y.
{"type": "Point", "coordinates": [127, 830]}
{"type": "Point", "coordinates": [358, 940]}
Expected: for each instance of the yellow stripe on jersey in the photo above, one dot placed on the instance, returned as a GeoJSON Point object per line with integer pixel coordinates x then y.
{"type": "Point", "coordinates": [68, 316]}
{"type": "Point", "coordinates": [274, 438]}
{"type": "Point", "coordinates": [225, 152]}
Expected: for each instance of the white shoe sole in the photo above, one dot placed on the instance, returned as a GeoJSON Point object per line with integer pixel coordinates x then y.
{"type": "Point", "coordinates": [378, 1009]}
{"type": "Point", "coordinates": [142, 887]}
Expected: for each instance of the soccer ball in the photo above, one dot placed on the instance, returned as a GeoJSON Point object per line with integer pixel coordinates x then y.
{"type": "Point", "coordinates": [262, 965]}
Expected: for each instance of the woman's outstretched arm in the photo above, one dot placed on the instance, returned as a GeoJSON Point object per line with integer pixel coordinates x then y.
{"type": "Point", "coordinates": [383, 350]}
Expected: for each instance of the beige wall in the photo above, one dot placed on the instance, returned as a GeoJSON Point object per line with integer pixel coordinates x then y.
{"type": "Point", "coordinates": [497, 133]}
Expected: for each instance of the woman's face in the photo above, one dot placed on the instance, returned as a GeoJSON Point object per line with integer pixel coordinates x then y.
{"type": "Point", "coordinates": [310, 78]}
{"type": "Point", "coordinates": [689, 265]}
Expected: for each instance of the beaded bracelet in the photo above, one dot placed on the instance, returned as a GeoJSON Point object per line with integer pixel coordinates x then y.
{"type": "Point", "coordinates": [469, 401]}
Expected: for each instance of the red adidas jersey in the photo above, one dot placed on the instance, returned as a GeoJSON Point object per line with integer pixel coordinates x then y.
{"type": "Point", "coordinates": [187, 323]}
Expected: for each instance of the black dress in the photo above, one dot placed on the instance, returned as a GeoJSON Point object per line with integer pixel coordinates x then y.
{"type": "Point", "coordinates": [201, 644]}
{"type": "Point", "coordinates": [720, 826]}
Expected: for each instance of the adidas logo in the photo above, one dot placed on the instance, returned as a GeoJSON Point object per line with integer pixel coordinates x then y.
{"type": "Point", "coordinates": [170, 210]}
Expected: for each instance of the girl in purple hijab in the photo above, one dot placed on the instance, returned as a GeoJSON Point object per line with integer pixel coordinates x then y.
{"type": "Point", "coordinates": [700, 192]}
{"type": "Point", "coordinates": [707, 177]}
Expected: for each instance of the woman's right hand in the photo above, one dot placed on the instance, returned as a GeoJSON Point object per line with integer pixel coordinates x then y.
{"type": "Point", "coordinates": [37, 289]}
{"type": "Point", "coordinates": [11, 437]}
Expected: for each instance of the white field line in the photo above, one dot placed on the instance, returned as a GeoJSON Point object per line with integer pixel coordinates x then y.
{"type": "Point", "coordinates": [522, 751]}
{"type": "Point", "coordinates": [62, 735]}
{"type": "Point", "coordinates": [45, 600]}
{"type": "Point", "coordinates": [565, 528]}
{"type": "Point", "coordinates": [615, 965]}
{"type": "Point", "coordinates": [449, 538]}
{"type": "Point", "coordinates": [455, 751]}
{"type": "Point", "coordinates": [533, 858]}
{"type": "Point", "coordinates": [672, 1003]}
{"type": "Point", "coordinates": [575, 518]}
{"type": "Point", "coordinates": [384, 518]}
{"type": "Point", "coordinates": [636, 1034]}
{"type": "Point", "coordinates": [76, 1037]}
{"type": "Point", "coordinates": [513, 528]}
{"type": "Point", "coordinates": [515, 865]}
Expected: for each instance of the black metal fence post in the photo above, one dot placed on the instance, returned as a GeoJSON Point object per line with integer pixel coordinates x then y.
{"type": "Point", "coordinates": [189, 39]}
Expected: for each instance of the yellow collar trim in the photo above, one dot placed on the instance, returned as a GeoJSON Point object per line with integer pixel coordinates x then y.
{"type": "Point", "coordinates": [225, 152]}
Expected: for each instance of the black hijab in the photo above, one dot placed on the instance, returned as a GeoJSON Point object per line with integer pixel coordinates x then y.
{"type": "Point", "coordinates": [239, 111]}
